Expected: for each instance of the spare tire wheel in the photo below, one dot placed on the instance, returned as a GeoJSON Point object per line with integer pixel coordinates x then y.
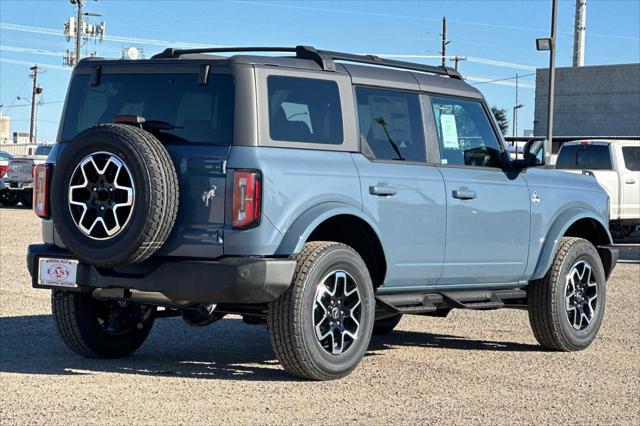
{"type": "Point", "coordinates": [114, 195]}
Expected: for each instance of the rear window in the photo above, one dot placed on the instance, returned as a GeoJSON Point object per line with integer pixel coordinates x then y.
{"type": "Point", "coordinates": [304, 110]}
{"type": "Point", "coordinates": [631, 156]}
{"type": "Point", "coordinates": [43, 150]}
{"type": "Point", "coordinates": [593, 157]}
{"type": "Point", "coordinates": [200, 113]}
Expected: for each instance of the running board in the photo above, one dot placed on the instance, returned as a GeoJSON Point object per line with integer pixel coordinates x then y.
{"type": "Point", "coordinates": [443, 301]}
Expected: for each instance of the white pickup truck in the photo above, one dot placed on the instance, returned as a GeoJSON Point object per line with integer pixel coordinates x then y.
{"type": "Point", "coordinates": [616, 166]}
{"type": "Point", "coordinates": [17, 183]}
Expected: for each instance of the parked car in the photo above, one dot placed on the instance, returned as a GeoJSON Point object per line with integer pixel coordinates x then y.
{"type": "Point", "coordinates": [616, 166]}
{"type": "Point", "coordinates": [7, 198]}
{"type": "Point", "coordinates": [19, 177]}
{"type": "Point", "coordinates": [324, 193]}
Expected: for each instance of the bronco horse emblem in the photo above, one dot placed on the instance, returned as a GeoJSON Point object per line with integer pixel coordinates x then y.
{"type": "Point", "coordinates": [208, 195]}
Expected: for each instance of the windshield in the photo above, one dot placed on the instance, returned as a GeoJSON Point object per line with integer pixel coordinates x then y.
{"type": "Point", "coordinates": [43, 150]}
{"type": "Point", "coordinates": [196, 113]}
{"type": "Point", "coordinates": [593, 157]}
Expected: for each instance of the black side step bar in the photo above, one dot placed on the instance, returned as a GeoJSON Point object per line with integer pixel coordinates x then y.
{"type": "Point", "coordinates": [431, 302]}
{"type": "Point", "coordinates": [324, 58]}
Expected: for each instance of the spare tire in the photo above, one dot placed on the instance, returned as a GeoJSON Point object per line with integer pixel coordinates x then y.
{"type": "Point", "coordinates": [114, 195]}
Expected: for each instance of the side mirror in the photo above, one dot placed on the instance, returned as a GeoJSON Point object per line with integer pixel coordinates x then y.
{"type": "Point", "coordinates": [535, 153]}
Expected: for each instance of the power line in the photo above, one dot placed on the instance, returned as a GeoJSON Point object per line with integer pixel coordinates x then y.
{"type": "Point", "coordinates": [25, 105]}
{"type": "Point", "coordinates": [504, 79]}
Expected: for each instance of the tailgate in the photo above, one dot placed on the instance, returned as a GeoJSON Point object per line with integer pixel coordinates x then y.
{"type": "Point", "coordinates": [20, 170]}
{"type": "Point", "coordinates": [198, 231]}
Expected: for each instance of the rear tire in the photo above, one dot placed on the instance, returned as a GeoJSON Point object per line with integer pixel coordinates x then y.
{"type": "Point", "coordinates": [26, 198]}
{"type": "Point", "coordinates": [9, 198]}
{"type": "Point", "coordinates": [619, 231]}
{"type": "Point", "coordinates": [566, 306]}
{"type": "Point", "coordinates": [386, 325]}
{"type": "Point", "coordinates": [313, 324]}
{"type": "Point", "coordinates": [97, 329]}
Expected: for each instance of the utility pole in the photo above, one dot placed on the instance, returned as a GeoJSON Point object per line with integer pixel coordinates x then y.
{"type": "Point", "coordinates": [444, 40]}
{"type": "Point", "coordinates": [457, 59]}
{"type": "Point", "coordinates": [79, 28]}
{"type": "Point", "coordinates": [35, 91]}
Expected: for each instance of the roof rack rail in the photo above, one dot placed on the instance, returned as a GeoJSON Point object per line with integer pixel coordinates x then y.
{"type": "Point", "coordinates": [376, 60]}
{"type": "Point", "coordinates": [324, 58]}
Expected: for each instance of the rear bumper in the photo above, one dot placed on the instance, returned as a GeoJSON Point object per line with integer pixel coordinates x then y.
{"type": "Point", "coordinates": [227, 280]}
{"type": "Point", "coordinates": [12, 184]}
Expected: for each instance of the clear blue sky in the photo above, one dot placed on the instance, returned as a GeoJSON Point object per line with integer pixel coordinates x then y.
{"type": "Point", "coordinates": [498, 37]}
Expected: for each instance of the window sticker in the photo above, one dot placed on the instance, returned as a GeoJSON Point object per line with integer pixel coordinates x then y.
{"type": "Point", "coordinates": [449, 131]}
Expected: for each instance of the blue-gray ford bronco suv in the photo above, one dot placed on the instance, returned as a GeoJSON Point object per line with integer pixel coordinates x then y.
{"type": "Point", "coordinates": [325, 194]}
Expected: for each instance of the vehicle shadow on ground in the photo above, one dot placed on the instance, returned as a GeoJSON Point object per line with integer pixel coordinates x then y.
{"type": "Point", "coordinates": [229, 350]}
{"type": "Point", "coordinates": [16, 207]}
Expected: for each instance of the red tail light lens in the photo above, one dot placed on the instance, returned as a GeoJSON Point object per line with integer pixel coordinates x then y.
{"type": "Point", "coordinates": [41, 182]}
{"type": "Point", "coordinates": [247, 192]}
{"type": "Point", "coordinates": [3, 170]}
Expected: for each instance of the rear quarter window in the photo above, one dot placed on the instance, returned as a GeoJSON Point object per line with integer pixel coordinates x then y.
{"type": "Point", "coordinates": [304, 110]}
{"type": "Point", "coordinates": [590, 156]}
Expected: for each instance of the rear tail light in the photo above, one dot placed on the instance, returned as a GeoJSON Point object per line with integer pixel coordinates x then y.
{"type": "Point", "coordinates": [3, 170]}
{"type": "Point", "coordinates": [41, 181]}
{"type": "Point", "coordinates": [247, 192]}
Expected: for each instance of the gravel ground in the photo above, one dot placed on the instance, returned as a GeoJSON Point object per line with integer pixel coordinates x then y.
{"type": "Point", "coordinates": [478, 367]}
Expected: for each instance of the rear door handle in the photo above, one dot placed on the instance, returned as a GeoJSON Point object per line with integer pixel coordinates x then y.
{"type": "Point", "coordinates": [464, 194]}
{"type": "Point", "coordinates": [630, 181]}
{"type": "Point", "coordinates": [382, 190]}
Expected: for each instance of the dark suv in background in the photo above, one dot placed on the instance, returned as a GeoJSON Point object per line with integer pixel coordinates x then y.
{"type": "Point", "coordinates": [324, 193]}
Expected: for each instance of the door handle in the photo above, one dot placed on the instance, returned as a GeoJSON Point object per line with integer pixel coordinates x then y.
{"type": "Point", "coordinates": [382, 190]}
{"type": "Point", "coordinates": [630, 181]}
{"type": "Point", "coordinates": [464, 194]}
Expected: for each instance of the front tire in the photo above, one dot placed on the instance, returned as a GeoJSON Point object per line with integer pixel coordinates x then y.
{"type": "Point", "coordinates": [566, 306]}
{"type": "Point", "coordinates": [97, 329]}
{"type": "Point", "coordinates": [321, 326]}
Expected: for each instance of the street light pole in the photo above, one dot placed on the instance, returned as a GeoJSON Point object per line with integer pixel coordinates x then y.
{"type": "Point", "coordinates": [552, 78]}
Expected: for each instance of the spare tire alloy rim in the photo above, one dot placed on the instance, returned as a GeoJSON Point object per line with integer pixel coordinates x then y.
{"type": "Point", "coordinates": [101, 195]}
{"type": "Point", "coordinates": [337, 312]}
{"type": "Point", "coordinates": [581, 295]}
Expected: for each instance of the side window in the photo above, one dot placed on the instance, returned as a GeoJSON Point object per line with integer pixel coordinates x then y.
{"type": "Point", "coordinates": [631, 156]}
{"type": "Point", "coordinates": [391, 124]}
{"type": "Point", "coordinates": [465, 134]}
{"type": "Point", "coordinates": [304, 110]}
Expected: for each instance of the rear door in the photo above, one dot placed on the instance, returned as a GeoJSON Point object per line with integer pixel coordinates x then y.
{"type": "Point", "coordinates": [630, 182]}
{"type": "Point", "coordinates": [401, 192]}
{"type": "Point", "coordinates": [488, 209]}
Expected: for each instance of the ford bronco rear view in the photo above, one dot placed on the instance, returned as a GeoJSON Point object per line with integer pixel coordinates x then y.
{"type": "Point", "coordinates": [325, 194]}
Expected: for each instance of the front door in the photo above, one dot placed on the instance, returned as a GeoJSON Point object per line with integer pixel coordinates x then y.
{"type": "Point", "coordinates": [400, 191]}
{"type": "Point", "coordinates": [488, 209]}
